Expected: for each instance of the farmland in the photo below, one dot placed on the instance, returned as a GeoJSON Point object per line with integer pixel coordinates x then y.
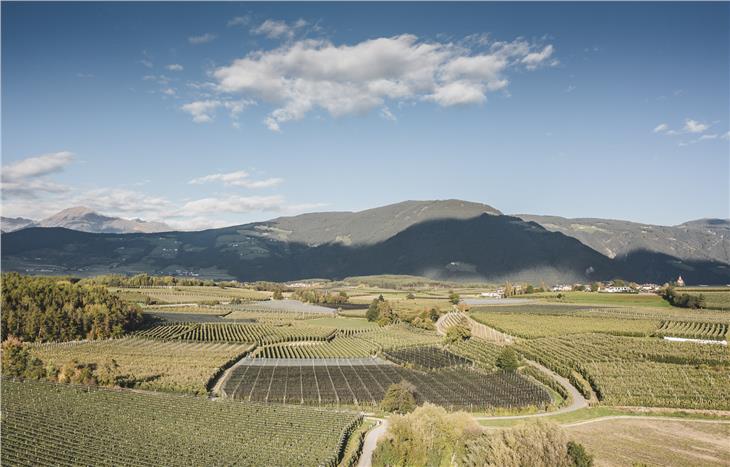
{"type": "Point", "coordinates": [150, 364]}
{"type": "Point", "coordinates": [717, 298]}
{"type": "Point", "coordinates": [46, 424]}
{"type": "Point", "coordinates": [362, 382]}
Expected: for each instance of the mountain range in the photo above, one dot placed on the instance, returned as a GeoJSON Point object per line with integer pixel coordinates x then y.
{"type": "Point", "coordinates": [84, 219]}
{"type": "Point", "coordinates": [449, 239]}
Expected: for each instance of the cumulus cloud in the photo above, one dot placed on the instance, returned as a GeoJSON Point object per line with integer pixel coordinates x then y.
{"type": "Point", "coordinates": [203, 111]}
{"type": "Point", "coordinates": [202, 39]}
{"type": "Point", "coordinates": [275, 29]}
{"type": "Point", "coordinates": [238, 178]}
{"type": "Point", "coordinates": [174, 67]}
{"type": "Point", "coordinates": [302, 76]}
{"type": "Point", "coordinates": [693, 126]}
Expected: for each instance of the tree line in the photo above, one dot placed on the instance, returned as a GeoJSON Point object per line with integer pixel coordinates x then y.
{"type": "Point", "coordinates": [46, 309]}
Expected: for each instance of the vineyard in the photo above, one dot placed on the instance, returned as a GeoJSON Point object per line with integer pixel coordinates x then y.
{"type": "Point", "coordinates": [150, 364]}
{"type": "Point", "coordinates": [484, 354]}
{"type": "Point", "coordinates": [46, 425]}
{"type": "Point", "coordinates": [693, 330]}
{"type": "Point", "coordinates": [339, 347]}
{"type": "Point", "coordinates": [363, 382]}
{"type": "Point", "coordinates": [192, 294]}
{"type": "Point", "coordinates": [717, 298]}
{"type": "Point", "coordinates": [260, 334]}
{"type": "Point", "coordinates": [639, 371]}
{"type": "Point", "coordinates": [426, 358]}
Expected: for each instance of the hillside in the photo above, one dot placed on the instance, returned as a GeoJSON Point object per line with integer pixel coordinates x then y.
{"type": "Point", "coordinates": [488, 247]}
{"type": "Point", "coordinates": [704, 239]}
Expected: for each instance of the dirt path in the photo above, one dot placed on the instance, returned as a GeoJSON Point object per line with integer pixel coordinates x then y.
{"type": "Point", "coordinates": [577, 400]}
{"type": "Point", "coordinates": [645, 417]}
{"type": "Point", "coordinates": [371, 442]}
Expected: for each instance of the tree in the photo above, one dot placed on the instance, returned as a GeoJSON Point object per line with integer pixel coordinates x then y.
{"type": "Point", "coordinates": [454, 298]}
{"type": "Point", "coordinates": [18, 362]}
{"type": "Point", "coordinates": [434, 314]}
{"type": "Point", "coordinates": [410, 296]}
{"type": "Point", "coordinates": [457, 333]}
{"type": "Point", "coordinates": [507, 360]}
{"type": "Point", "coordinates": [529, 289]}
{"type": "Point", "coordinates": [579, 455]}
{"type": "Point", "coordinates": [508, 290]}
{"type": "Point", "coordinates": [278, 295]}
{"type": "Point", "coordinates": [399, 398]}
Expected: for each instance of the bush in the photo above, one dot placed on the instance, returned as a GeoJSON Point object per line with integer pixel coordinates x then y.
{"type": "Point", "coordinates": [579, 455]}
{"type": "Point", "coordinates": [457, 333]}
{"type": "Point", "coordinates": [410, 296]}
{"type": "Point", "coordinates": [434, 314]}
{"type": "Point", "coordinates": [507, 360]}
{"type": "Point", "coordinates": [399, 398]}
{"type": "Point", "coordinates": [454, 298]}
{"type": "Point", "coordinates": [17, 361]}
{"type": "Point", "coordinates": [278, 294]}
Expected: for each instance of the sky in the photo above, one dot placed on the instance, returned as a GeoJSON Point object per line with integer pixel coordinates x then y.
{"type": "Point", "coordinates": [211, 114]}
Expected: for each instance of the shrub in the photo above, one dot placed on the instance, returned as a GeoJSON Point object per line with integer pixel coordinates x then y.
{"type": "Point", "coordinates": [508, 360]}
{"type": "Point", "coordinates": [399, 398]}
{"type": "Point", "coordinates": [457, 333]}
{"type": "Point", "coordinates": [579, 455]}
{"type": "Point", "coordinates": [17, 361]}
{"type": "Point", "coordinates": [454, 298]}
{"type": "Point", "coordinates": [410, 296]}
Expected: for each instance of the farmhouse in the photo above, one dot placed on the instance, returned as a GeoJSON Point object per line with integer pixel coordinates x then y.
{"type": "Point", "coordinates": [680, 282]}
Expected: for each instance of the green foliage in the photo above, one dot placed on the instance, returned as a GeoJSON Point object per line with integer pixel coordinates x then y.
{"type": "Point", "coordinates": [457, 333]}
{"type": "Point", "coordinates": [508, 360]}
{"type": "Point", "coordinates": [454, 298]}
{"type": "Point", "coordinates": [18, 362]}
{"type": "Point", "coordinates": [278, 294]}
{"type": "Point", "coordinates": [399, 398]}
{"type": "Point", "coordinates": [145, 280]}
{"type": "Point", "coordinates": [434, 314]}
{"type": "Point", "coordinates": [381, 311]}
{"type": "Point", "coordinates": [47, 309]}
{"type": "Point", "coordinates": [579, 455]}
{"type": "Point", "coordinates": [683, 300]}
{"type": "Point", "coordinates": [318, 296]}
{"type": "Point", "coordinates": [428, 436]}
{"type": "Point", "coordinates": [540, 444]}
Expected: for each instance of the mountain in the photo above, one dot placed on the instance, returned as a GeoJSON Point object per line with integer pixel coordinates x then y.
{"type": "Point", "coordinates": [9, 224]}
{"type": "Point", "coordinates": [85, 220]}
{"type": "Point", "coordinates": [704, 239]}
{"type": "Point", "coordinates": [441, 239]}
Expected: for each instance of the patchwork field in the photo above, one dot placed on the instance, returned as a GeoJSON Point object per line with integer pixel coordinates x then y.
{"type": "Point", "coordinates": [47, 425]}
{"type": "Point", "coordinates": [150, 364]}
{"type": "Point", "coordinates": [364, 381]}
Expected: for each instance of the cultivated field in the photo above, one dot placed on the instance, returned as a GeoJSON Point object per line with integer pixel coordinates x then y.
{"type": "Point", "coordinates": [364, 381]}
{"type": "Point", "coordinates": [715, 297]}
{"type": "Point", "coordinates": [150, 364]}
{"type": "Point", "coordinates": [46, 425]}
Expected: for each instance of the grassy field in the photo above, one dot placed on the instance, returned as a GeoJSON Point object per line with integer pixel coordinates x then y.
{"type": "Point", "coordinates": [715, 297]}
{"type": "Point", "coordinates": [46, 424]}
{"type": "Point", "coordinates": [654, 442]}
{"type": "Point", "coordinates": [595, 298]}
{"type": "Point", "coordinates": [154, 365]}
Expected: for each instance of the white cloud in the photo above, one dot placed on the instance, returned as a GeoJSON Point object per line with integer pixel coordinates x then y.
{"type": "Point", "coordinates": [661, 128]}
{"type": "Point", "coordinates": [238, 21]}
{"type": "Point", "coordinates": [168, 92]}
{"type": "Point", "coordinates": [174, 67]}
{"type": "Point", "coordinates": [203, 111]}
{"type": "Point", "coordinates": [202, 39]}
{"type": "Point", "coordinates": [237, 178]}
{"type": "Point", "coordinates": [233, 204]}
{"type": "Point", "coordinates": [37, 166]}
{"type": "Point", "coordinates": [706, 137]}
{"type": "Point", "coordinates": [310, 74]}
{"type": "Point", "coordinates": [726, 135]}
{"type": "Point", "coordinates": [275, 29]}
{"type": "Point", "coordinates": [387, 114]}
{"type": "Point", "coordinates": [693, 126]}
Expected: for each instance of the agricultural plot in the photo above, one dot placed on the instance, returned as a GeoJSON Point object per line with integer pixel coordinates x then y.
{"type": "Point", "coordinates": [639, 371]}
{"type": "Point", "coordinates": [280, 306]}
{"type": "Point", "coordinates": [530, 325]}
{"type": "Point", "coordinates": [47, 425]}
{"type": "Point", "coordinates": [150, 364]}
{"type": "Point", "coordinates": [426, 358]}
{"type": "Point", "coordinates": [193, 294]}
{"type": "Point", "coordinates": [339, 347]}
{"type": "Point", "coordinates": [260, 334]}
{"type": "Point", "coordinates": [693, 330]}
{"type": "Point", "coordinates": [484, 354]}
{"type": "Point", "coordinates": [360, 383]}
{"type": "Point", "coordinates": [717, 298]}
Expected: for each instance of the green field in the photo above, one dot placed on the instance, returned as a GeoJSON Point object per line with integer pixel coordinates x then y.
{"type": "Point", "coordinates": [150, 364]}
{"type": "Point", "coordinates": [46, 425]}
{"type": "Point", "coordinates": [717, 298]}
{"type": "Point", "coordinates": [597, 298]}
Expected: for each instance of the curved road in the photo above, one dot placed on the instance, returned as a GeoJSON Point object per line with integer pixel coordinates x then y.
{"type": "Point", "coordinates": [371, 441]}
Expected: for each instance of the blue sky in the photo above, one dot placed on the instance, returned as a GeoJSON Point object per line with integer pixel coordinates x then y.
{"type": "Point", "coordinates": [216, 114]}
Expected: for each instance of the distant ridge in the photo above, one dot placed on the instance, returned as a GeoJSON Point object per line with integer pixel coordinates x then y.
{"type": "Point", "coordinates": [84, 219]}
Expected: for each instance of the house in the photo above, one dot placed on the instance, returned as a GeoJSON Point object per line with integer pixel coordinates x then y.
{"type": "Point", "coordinates": [561, 288]}
{"type": "Point", "coordinates": [680, 282]}
{"type": "Point", "coordinates": [614, 289]}
{"type": "Point", "coordinates": [492, 294]}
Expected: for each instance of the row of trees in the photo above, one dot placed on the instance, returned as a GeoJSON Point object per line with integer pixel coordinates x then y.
{"type": "Point", "coordinates": [320, 297]}
{"type": "Point", "coordinates": [683, 300]}
{"type": "Point", "coordinates": [146, 280]}
{"type": "Point", "coordinates": [47, 309]}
